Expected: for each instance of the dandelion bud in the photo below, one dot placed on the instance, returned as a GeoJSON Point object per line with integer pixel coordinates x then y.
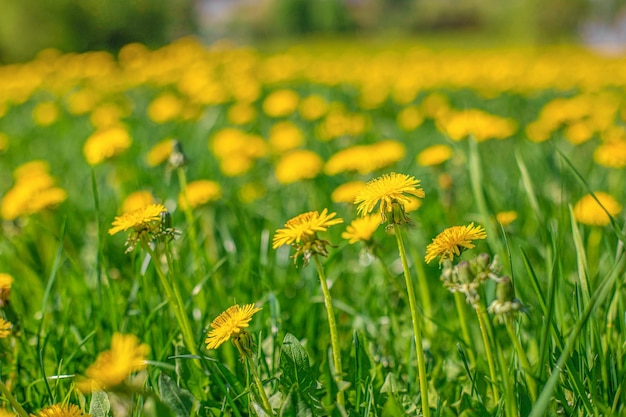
{"type": "Point", "coordinates": [397, 214]}
{"type": "Point", "coordinates": [177, 158]}
{"type": "Point", "coordinates": [504, 290]}
{"type": "Point", "coordinates": [464, 272]}
{"type": "Point", "coordinates": [483, 260]}
{"type": "Point", "coordinates": [244, 342]}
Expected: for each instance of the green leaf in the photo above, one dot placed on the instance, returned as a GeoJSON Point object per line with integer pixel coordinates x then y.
{"type": "Point", "coordinates": [179, 400]}
{"type": "Point", "coordinates": [99, 405]}
{"type": "Point", "coordinates": [392, 408]}
{"type": "Point", "coordinates": [297, 381]}
{"type": "Point", "coordinates": [295, 406]}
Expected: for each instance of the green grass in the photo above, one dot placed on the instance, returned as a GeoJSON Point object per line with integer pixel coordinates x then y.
{"type": "Point", "coordinates": [75, 287]}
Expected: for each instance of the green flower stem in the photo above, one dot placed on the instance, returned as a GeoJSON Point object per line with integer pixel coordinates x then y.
{"type": "Point", "coordinates": [521, 354]}
{"type": "Point", "coordinates": [334, 339]}
{"type": "Point", "coordinates": [18, 408]}
{"type": "Point", "coordinates": [175, 301]}
{"type": "Point", "coordinates": [510, 404]}
{"type": "Point", "coordinates": [259, 386]}
{"type": "Point", "coordinates": [424, 291]}
{"type": "Point", "coordinates": [485, 330]}
{"type": "Point", "coordinates": [421, 363]}
{"type": "Point", "coordinates": [191, 229]}
{"type": "Point", "coordinates": [462, 313]}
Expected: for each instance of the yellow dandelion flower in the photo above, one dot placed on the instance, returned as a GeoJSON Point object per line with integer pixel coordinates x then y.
{"type": "Point", "coordinates": [59, 410]}
{"type": "Point", "coordinates": [611, 154]}
{"type": "Point", "coordinates": [165, 108]}
{"type": "Point", "coordinates": [235, 165]}
{"type": "Point", "coordinates": [361, 229]}
{"type": "Point", "coordinates": [107, 114]}
{"type": "Point", "coordinates": [434, 155]}
{"type": "Point", "coordinates": [303, 227]}
{"type": "Point", "coordinates": [285, 136]}
{"type": "Point", "coordinates": [5, 328]}
{"type": "Point", "coordinates": [230, 324]}
{"type": "Point", "coordinates": [346, 193]}
{"type": "Point", "coordinates": [588, 211]}
{"type": "Point", "coordinates": [281, 103]}
{"type": "Point", "coordinates": [579, 132]}
{"type": "Point", "coordinates": [6, 413]}
{"type": "Point", "coordinates": [160, 152]}
{"type": "Point", "coordinates": [387, 190]}
{"type": "Point", "coordinates": [241, 113]}
{"type": "Point", "coordinates": [200, 192]}
{"type": "Point", "coordinates": [137, 201]}
{"type": "Point", "coordinates": [410, 118]}
{"type": "Point", "coordinates": [6, 282]}
{"type": "Point", "coordinates": [365, 159]}
{"type": "Point", "coordinates": [452, 241]}
{"type": "Point", "coordinates": [139, 220]}
{"type": "Point", "coordinates": [105, 144]}
{"type": "Point", "coordinates": [298, 165]}
{"type": "Point", "coordinates": [313, 107]}
{"type": "Point", "coordinates": [82, 101]}
{"type": "Point", "coordinates": [45, 113]}
{"type": "Point", "coordinates": [112, 367]}
{"type": "Point", "coordinates": [251, 192]}
{"type": "Point", "coordinates": [506, 217]}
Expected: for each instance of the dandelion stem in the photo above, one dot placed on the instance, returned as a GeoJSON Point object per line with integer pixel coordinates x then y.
{"type": "Point", "coordinates": [521, 354]}
{"type": "Point", "coordinates": [421, 363]}
{"type": "Point", "coordinates": [191, 229]}
{"type": "Point", "coordinates": [334, 339]}
{"type": "Point", "coordinates": [462, 313]}
{"type": "Point", "coordinates": [173, 296]}
{"type": "Point", "coordinates": [507, 380]}
{"type": "Point", "coordinates": [485, 330]}
{"type": "Point", "coordinates": [18, 408]}
{"type": "Point", "coordinates": [259, 386]}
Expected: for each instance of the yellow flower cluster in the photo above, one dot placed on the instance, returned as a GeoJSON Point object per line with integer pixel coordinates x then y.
{"type": "Point", "coordinates": [237, 150]}
{"type": "Point", "coordinates": [34, 190]}
{"type": "Point", "coordinates": [105, 144]}
{"type": "Point", "coordinates": [365, 159]}
{"type": "Point", "coordinates": [478, 124]}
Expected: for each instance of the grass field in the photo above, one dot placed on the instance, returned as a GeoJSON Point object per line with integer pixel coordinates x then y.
{"type": "Point", "coordinates": [179, 229]}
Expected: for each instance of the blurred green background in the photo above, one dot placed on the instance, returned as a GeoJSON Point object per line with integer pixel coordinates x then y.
{"type": "Point", "coordinates": [27, 26]}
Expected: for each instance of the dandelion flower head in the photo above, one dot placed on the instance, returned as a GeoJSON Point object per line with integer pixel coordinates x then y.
{"type": "Point", "coordinates": [160, 152]}
{"type": "Point", "coordinates": [200, 192]}
{"type": "Point", "coordinates": [506, 217]}
{"type": "Point", "coordinates": [59, 410]}
{"type": "Point", "coordinates": [386, 190]}
{"type": "Point", "coordinates": [5, 328]}
{"type": "Point", "coordinates": [298, 165]}
{"type": "Point", "coordinates": [137, 200]}
{"type": "Point", "coordinates": [365, 159]}
{"type": "Point", "coordinates": [112, 367]}
{"type": "Point", "coordinates": [452, 241]}
{"type": "Point", "coordinates": [281, 103]}
{"type": "Point", "coordinates": [6, 281]}
{"type": "Point", "coordinates": [230, 323]}
{"type": "Point", "coordinates": [285, 136]}
{"type": "Point", "coordinates": [105, 144]}
{"type": "Point", "coordinates": [611, 154]}
{"type": "Point", "coordinates": [361, 229]}
{"type": "Point", "coordinates": [303, 227]}
{"type": "Point", "coordinates": [588, 211]}
{"type": "Point", "coordinates": [434, 155]}
{"type": "Point", "coordinates": [347, 192]}
{"type": "Point", "coordinates": [139, 220]}
{"type": "Point", "coordinates": [6, 413]}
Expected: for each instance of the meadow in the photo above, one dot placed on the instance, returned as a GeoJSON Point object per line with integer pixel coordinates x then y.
{"type": "Point", "coordinates": [323, 229]}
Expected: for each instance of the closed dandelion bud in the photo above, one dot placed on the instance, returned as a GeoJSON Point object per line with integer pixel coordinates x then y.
{"type": "Point", "coordinates": [483, 260]}
{"type": "Point", "coordinates": [244, 342]}
{"type": "Point", "coordinates": [397, 215]}
{"type": "Point", "coordinates": [464, 272]}
{"type": "Point", "coordinates": [177, 158]}
{"type": "Point", "coordinates": [504, 290]}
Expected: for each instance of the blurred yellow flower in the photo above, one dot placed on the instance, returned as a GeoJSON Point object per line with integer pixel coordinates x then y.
{"type": "Point", "coordinates": [5, 328]}
{"type": "Point", "coordinates": [6, 413]}
{"type": "Point", "coordinates": [139, 220]}
{"type": "Point", "coordinates": [579, 132]}
{"type": "Point", "coordinates": [112, 367]}
{"type": "Point", "coordinates": [298, 165]}
{"type": "Point", "coordinates": [285, 136]}
{"type": "Point", "coordinates": [200, 192]}
{"type": "Point", "coordinates": [160, 152]}
{"type": "Point", "coordinates": [452, 241]}
{"type": "Point", "coordinates": [106, 115]}
{"type": "Point", "coordinates": [361, 229]}
{"type": "Point", "coordinates": [281, 103]}
{"type": "Point", "coordinates": [137, 201]}
{"type": "Point", "coordinates": [346, 193]}
{"type": "Point", "coordinates": [241, 113]}
{"type": "Point", "coordinates": [251, 192]}
{"type": "Point", "coordinates": [33, 191]}
{"type": "Point", "coordinates": [106, 143]}
{"type": "Point", "coordinates": [60, 410]}
{"type": "Point", "coordinates": [365, 159]}
{"type": "Point", "coordinates": [435, 105]}
{"type": "Point", "coordinates": [410, 118]}
{"type": "Point", "coordinates": [313, 107]}
{"type": "Point", "coordinates": [236, 150]}
{"type": "Point", "coordinates": [611, 154]}
{"type": "Point", "coordinates": [45, 113]}
{"type": "Point", "coordinates": [387, 190]}
{"type": "Point", "coordinates": [434, 155]}
{"type": "Point", "coordinates": [6, 282]}
{"type": "Point", "coordinates": [479, 124]}
{"type": "Point", "coordinates": [165, 108]}
{"type": "Point", "coordinates": [506, 217]}
{"type": "Point", "coordinates": [82, 101]}
{"type": "Point", "coordinates": [588, 211]}
{"type": "Point", "coordinates": [230, 324]}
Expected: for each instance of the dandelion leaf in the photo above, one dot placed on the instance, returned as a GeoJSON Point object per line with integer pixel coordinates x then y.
{"type": "Point", "coordinates": [179, 400]}
{"type": "Point", "coordinates": [99, 405]}
{"type": "Point", "coordinates": [297, 381]}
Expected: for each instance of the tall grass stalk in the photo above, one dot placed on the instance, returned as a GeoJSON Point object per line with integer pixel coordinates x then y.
{"type": "Point", "coordinates": [416, 319]}
{"type": "Point", "coordinates": [487, 334]}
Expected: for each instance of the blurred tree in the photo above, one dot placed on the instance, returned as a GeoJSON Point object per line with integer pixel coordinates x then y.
{"type": "Point", "coordinates": [27, 26]}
